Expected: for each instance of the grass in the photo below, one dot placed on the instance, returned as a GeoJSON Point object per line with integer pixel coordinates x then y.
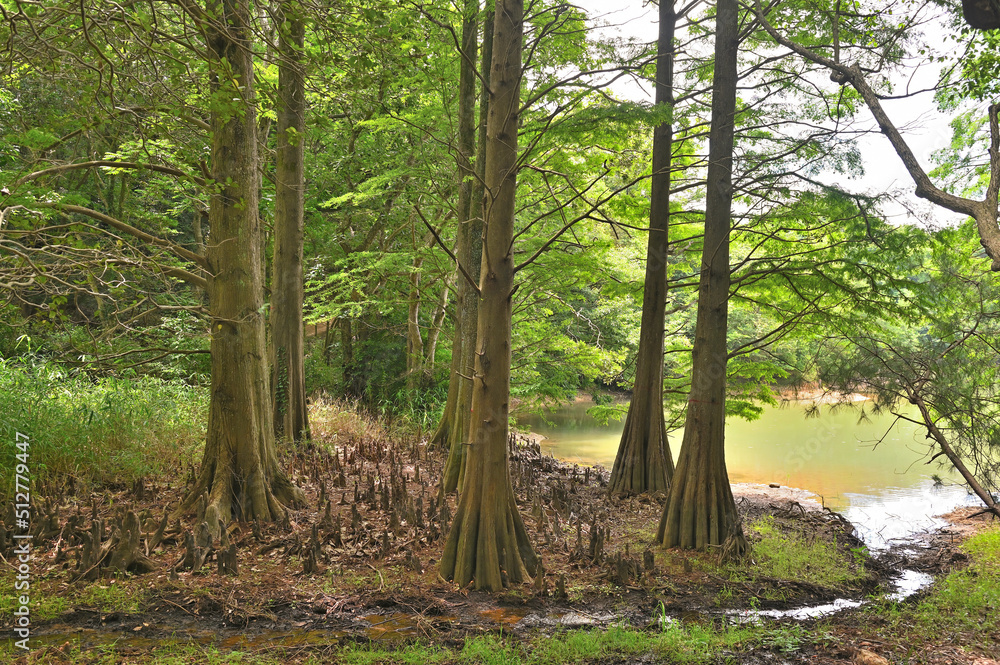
{"type": "Point", "coordinates": [686, 645]}
{"type": "Point", "coordinates": [107, 598]}
{"type": "Point", "coordinates": [957, 608]}
{"type": "Point", "coordinates": [337, 420]}
{"type": "Point", "coordinates": [102, 596]}
{"type": "Point", "coordinates": [43, 607]}
{"type": "Point", "coordinates": [961, 601]}
{"type": "Point", "coordinates": [789, 556]}
{"type": "Point", "coordinates": [99, 431]}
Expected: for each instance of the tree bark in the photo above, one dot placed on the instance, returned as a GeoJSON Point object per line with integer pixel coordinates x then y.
{"type": "Point", "coordinates": [291, 418]}
{"type": "Point", "coordinates": [239, 469]}
{"type": "Point", "coordinates": [488, 544]}
{"type": "Point", "coordinates": [465, 338]}
{"type": "Point", "coordinates": [700, 510]}
{"type": "Point", "coordinates": [644, 462]}
{"type": "Point", "coordinates": [414, 338]}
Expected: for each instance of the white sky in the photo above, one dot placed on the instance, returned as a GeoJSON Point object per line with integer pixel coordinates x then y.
{"type": "Point", "coordinates": [916, 117]}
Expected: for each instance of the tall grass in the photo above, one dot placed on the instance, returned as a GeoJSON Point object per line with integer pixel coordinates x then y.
{"type": "Point", "coordinates": [97, 431]}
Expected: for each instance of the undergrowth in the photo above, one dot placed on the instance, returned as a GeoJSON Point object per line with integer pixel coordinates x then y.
{"type": "Point", "coordinates": [962, 601]}
{"type": "Point", "coordinates": [97, 431]}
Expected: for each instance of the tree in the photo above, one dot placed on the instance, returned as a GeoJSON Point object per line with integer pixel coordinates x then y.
{"type": "Point", "coordinates": [240, 472]}
{"type": "Point", "coordinates": [700, 510]}
{"type": "Point", "coordinates": [240, 468]}
{"type": "Point", "coordinates": [920, 372]}
{"type": "Point", "coordinates": [288, 391]}
{"type": "Point", "coordinates": [984, 211]}
{"type": "Point", "coordinates": [457, 418]}
{"type": "Point", "coordinates": [644, 462]}
{"type": "Point", "coordinates": [488, 543]}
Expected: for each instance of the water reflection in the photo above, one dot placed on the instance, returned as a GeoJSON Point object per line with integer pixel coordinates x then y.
{"type": "Point", "coordinates": [866, 465]}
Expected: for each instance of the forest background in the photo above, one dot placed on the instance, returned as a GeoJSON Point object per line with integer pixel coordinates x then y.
{"type": "Point", "coordinates": [218, 214]}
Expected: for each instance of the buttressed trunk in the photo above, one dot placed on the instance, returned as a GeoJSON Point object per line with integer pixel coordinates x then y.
{"type": "Point", "coordinates": [487, 543]}
{"type": "Point", "coordinates": [644, 462]}
{"type": "Point", "coordinates": [700, 510]}
{"type": "Point", "coordinates": [288, 386]}
{"type": "Point", "coordinates": [239, 470]}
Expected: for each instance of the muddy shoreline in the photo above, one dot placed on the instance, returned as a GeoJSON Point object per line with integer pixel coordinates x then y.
{"type": "Point", "coordinates": [366, 591]}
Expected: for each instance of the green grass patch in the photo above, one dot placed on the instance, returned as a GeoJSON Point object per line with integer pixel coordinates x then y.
{"type": "Point", "coordinates": [673, 643]}
{"type": "Point", "coordinates": [960, 602]}
{"type": "Point", "coordinates": [112, 598]}
{"type": "Point", "coordinates": [100, 431]}
{"type": "Point", "coordinates": [790, 556]}
{"type": "Point", "coordinates": [44, 607]}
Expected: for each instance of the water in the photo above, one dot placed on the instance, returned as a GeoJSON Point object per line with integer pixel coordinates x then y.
{"type": "Point", "coordinates": [868, 467]}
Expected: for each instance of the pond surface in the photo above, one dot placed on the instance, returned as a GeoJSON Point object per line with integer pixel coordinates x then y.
{"type": "Point", "coordinates": [855, 462]}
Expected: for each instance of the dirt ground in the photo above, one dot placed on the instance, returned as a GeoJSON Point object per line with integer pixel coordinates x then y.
{"type": "Point", "coordinates": [360, 562]}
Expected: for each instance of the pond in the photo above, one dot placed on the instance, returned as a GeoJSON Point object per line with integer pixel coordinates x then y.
{"type": "Point", "coordinates": [869, 467]}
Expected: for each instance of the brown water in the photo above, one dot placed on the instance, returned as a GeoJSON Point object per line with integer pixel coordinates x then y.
{"type": "Point", "coordinates": [869, 467]}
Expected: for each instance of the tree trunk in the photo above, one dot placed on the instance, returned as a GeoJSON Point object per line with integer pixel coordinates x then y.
{"type": "Point", "coordinates": [288, 386]}
{"type": "Point", "coordinates": [700, 510]}
{"type": "Point", "coordinates": [488, 543]}
{"type": "Point", "coordinates": [454, 425]}
{"type": "Point", "coordinates": [437, 322]}
{"type": "Point", "coordinates": [240, 468]}
{"type": "Point", "coordinates": [414, 338]}
{"type": "Point", "coordinates": [461, 424]}
{"type": "Point", "coordinates": [644, 462]}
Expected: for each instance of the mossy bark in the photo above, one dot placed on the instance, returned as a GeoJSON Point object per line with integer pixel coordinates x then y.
{"type": "Point", "coordinates": [488, 545]}
{"type": "Point", "coordinates": [644, 462]}
{"type": "Point", "coordinates": [700, 510]}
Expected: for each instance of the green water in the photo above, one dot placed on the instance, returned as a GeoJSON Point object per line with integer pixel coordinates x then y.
{"type": "Point", "coordinates": [867, 466]}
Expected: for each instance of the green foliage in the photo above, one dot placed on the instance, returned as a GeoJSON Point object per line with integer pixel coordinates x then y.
{"type": "Point", "coordinates": [103, 431]}
{"type": "Point", "coordinates": [927, 362]}
{"type": "Point", "coordinates": [786, 639]}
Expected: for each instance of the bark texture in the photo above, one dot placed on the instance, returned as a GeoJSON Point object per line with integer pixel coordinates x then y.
{"type": "Point", "coordinates": [700, 510]}
{"type": "Point", "coordinates": [644, 462]}
{"type": "Point", "coordinates": [288, 386]}
{"type": "Point", "coordinates": [240, 469]}
{"type": "Point", "coordinates": [471, 248]}
{"type": "Point", "coordinates": [487, 544]}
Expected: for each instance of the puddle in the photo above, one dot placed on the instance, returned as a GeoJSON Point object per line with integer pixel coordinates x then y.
{"type": "Point", "coordinates": [506, 617]}
{"type": "Point", "coordinates": [396, 626]}
{"type": "Point", "coordinates": [798, 613]}
{"type": "Point", "coordinates": [909, 583]}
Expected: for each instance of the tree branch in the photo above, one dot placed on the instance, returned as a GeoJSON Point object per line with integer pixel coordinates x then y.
{"type": "Point", "coordinates": [465, 273]}
{"type": "Point", "coordinates": [109, 163]}
{"type": "Point", "coordinates": [177, 250]}
{"type": "Point", "coordinates": [984, 212]}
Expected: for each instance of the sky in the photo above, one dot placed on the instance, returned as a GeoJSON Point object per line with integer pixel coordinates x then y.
{"type": "Point", "coordinates": [917, 118]}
